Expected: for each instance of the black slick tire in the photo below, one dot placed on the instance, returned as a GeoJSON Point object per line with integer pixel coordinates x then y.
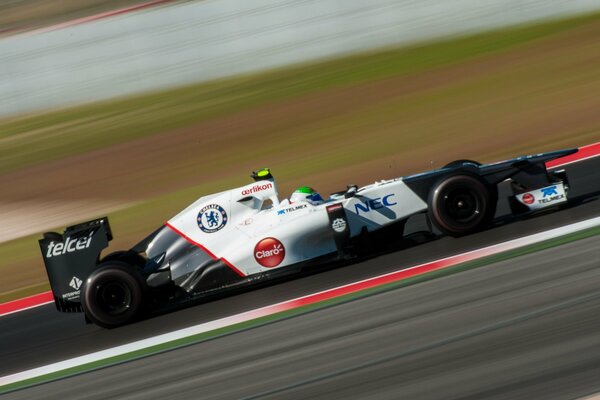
{"type": "Point", "coordinates": [113, 295]}
{"type": "Point", "coordinates": [462, 204]}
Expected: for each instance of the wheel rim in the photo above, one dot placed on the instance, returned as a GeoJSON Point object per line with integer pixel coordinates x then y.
{"type": "Point", "coordinates": [462, 205]}
{"type": "Point", "coordinates": [114, 297]}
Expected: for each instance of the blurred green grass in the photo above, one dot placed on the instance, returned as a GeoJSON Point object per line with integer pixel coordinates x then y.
{"type": "Point", "coordinates": [452, 111]}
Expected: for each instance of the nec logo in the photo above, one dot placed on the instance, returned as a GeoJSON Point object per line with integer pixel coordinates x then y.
{"type": "Point", "coordinates": [375, 204]}
{"type": "Point", "coordinates": [549, 191]}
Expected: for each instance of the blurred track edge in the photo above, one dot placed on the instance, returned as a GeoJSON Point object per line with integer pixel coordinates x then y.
{"type": "Point", "coordinates": [26, 303]}
{"type": "Point", "coordinates": [584, 153]}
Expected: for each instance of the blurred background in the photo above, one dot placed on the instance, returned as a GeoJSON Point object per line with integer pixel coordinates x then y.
{"type": "Point", "coordinates": [133, 109]}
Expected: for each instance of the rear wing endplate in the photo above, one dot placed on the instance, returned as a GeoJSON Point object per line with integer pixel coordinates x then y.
{"type": "Point", "coordinates": [70, 258]}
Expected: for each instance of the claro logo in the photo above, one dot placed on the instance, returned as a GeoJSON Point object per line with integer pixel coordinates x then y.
{"type": "Point", "coordinates": [71, 245]}
{"type": "Point", "coordinates": [257, 188]}
{"type": "Point", "coordinates": [528, 198]}
{"type": "Point", "coordinates": [269, 252]}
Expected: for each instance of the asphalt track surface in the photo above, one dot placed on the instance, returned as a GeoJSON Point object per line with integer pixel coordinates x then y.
{"type": "Point", "coordinates": [39, 336]}
{"type": "Point", "coordinates": [524, 328]}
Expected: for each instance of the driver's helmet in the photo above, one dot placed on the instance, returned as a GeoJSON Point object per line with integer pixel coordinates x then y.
{"type": "Point", "coordinates": [307, 194]}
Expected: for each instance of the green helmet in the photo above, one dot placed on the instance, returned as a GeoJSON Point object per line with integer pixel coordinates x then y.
{"type": "Point", "coordinates": [307, 194]}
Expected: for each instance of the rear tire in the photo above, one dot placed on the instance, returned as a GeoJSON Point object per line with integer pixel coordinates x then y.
{"type": "Point", "coordinates": [462, 204]}
{"type": "Point", "coordinates": [113, 295]}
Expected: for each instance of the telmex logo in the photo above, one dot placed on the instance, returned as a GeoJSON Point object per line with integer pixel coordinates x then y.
{"type": "Point", "coordinates": [257, 188]}
{"type": "Point", "coordinates": [292, 209]}
{"type": "Point", "coordinates": [550, 194]}
{"type": "Point", "coordinates": [71, 245]}
{"type": "Point", "coordinates": [549, 191]}
{"type": "Point", "coordinates": [375, 204]}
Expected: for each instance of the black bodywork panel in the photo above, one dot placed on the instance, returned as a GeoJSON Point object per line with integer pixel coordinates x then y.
{"type": "Point", "coordinates": [528, 171]}
{"type": "Point", "coordinates": [70, 258]}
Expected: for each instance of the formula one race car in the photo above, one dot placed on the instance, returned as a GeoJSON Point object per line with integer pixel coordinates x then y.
{"type": "Point", "coordinates": [247, 234]}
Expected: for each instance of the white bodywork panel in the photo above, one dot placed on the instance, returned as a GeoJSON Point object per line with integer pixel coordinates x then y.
{"type": "Point", "coordinates": [254, 235]}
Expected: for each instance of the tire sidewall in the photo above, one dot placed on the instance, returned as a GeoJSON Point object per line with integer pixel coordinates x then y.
{"type": "Point", "coordinates": [477, 187]}
{"type": "Point", "coordinates": [113, 271]}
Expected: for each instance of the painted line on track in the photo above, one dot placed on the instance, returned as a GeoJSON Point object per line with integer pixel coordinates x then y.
{"type": "Point", "coordinates": [11, 307]}
{"type": "Point", "coordinates": [26, 303]}
{"type": "Point", "coordinates": [165, 339]}
{"type": "Point", "coordinates": [584, 153]}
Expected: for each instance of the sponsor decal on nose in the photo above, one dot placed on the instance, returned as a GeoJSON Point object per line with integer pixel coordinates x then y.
{"type": "Point", "coordinates": [549, 191]}
{"type": "Point", "coordinates": [528, 198]}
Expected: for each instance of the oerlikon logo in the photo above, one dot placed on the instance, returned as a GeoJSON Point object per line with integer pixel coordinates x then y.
{"type": "Point", "coordinates": [257, 188]}
{"type": "Point", "coordinates": [269, 252]}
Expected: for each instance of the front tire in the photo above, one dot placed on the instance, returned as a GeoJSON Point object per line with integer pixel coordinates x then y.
{"type": "Point", "coordinates": [461, 163]}
{"type": "Point", "coordinates": [462, 204]}
{"type": "Point", "coordinates": [113, 295]}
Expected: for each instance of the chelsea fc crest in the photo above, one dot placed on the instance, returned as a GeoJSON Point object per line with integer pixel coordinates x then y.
{"type": "Point", "coordinates": [212, 218]}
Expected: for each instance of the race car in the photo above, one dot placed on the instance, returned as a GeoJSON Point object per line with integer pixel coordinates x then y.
{"type": "Point", "coordinates": [247, 235]}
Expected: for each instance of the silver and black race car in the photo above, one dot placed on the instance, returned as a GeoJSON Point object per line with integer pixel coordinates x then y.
{"type": "Point", "coordinates": [247, 235]}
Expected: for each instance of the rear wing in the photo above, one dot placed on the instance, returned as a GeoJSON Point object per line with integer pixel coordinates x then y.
{"type": "Point", "coordinates": [70, 258]}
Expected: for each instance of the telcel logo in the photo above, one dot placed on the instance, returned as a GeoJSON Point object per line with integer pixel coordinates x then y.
{"type": "Point", "coordinates": [71, 245]}
{"type": "Point", "coordinates": [269, 252]}
{"type": "Point", "coordinates": [375, 204]}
